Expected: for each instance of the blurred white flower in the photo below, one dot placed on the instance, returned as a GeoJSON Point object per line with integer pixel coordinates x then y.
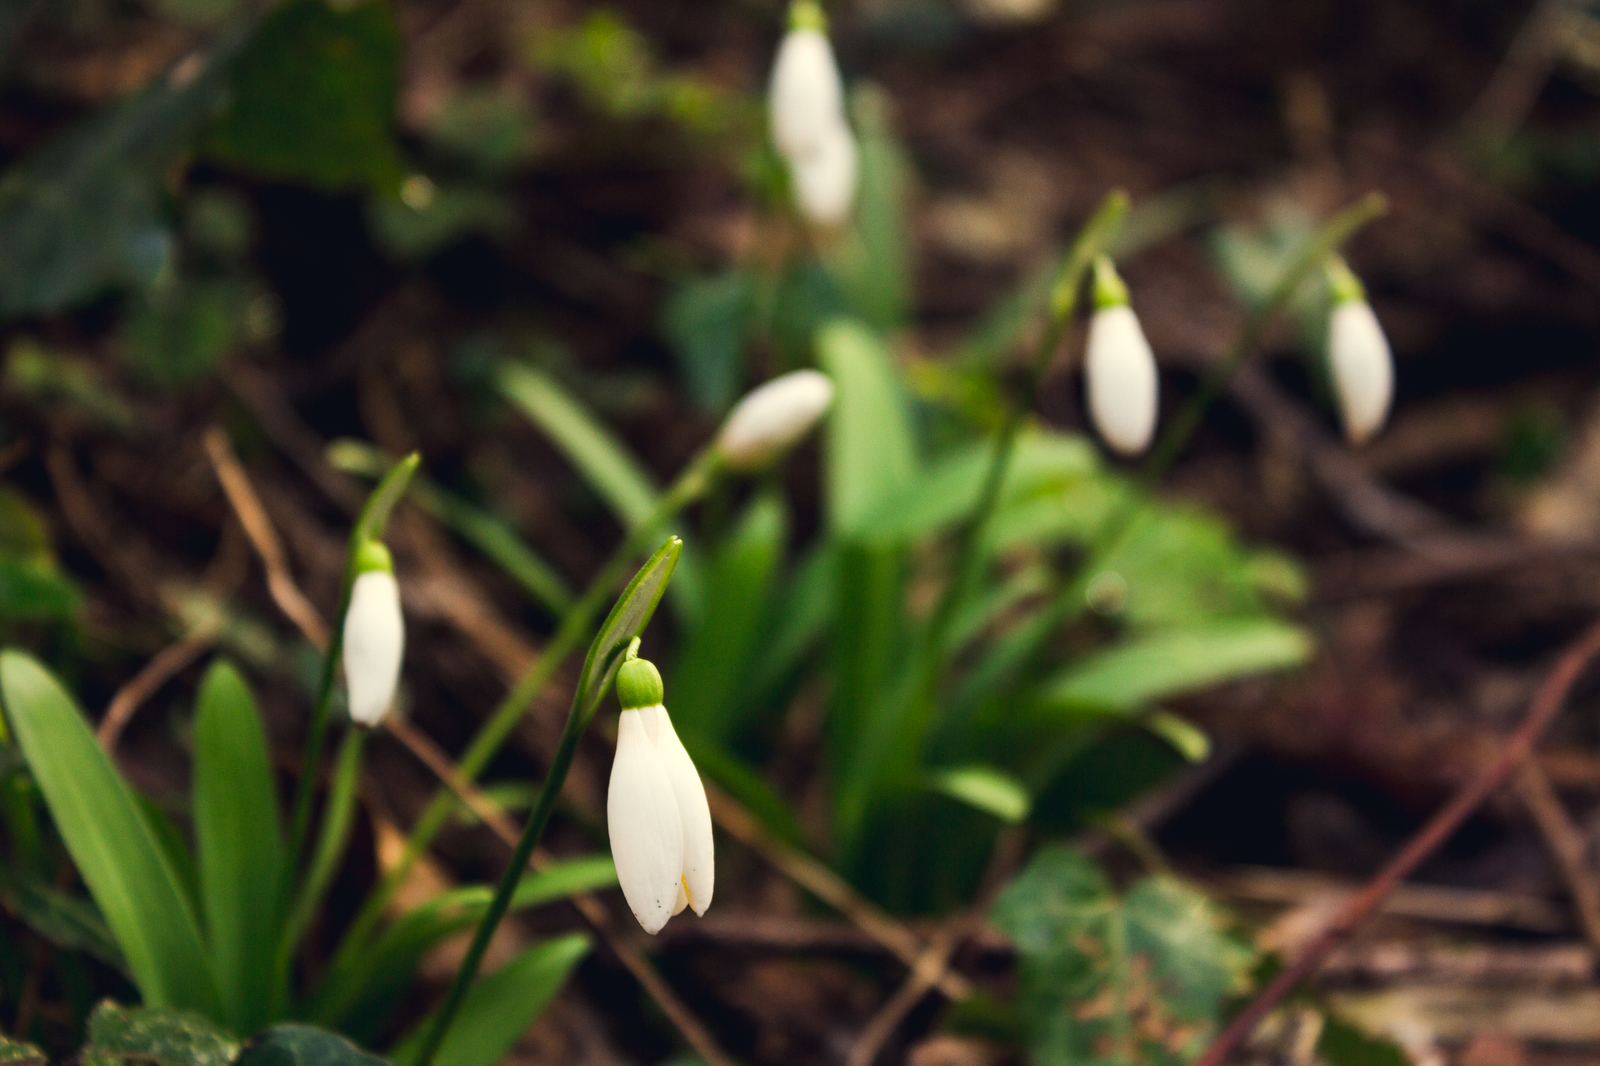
{"type": "Point", "coordinates": [1359, 356]}
{"type": "Point", "coordinates": [374, 637]}
{"type": "Point", "coordinates": [656, 810]}
{"type": "Point", "coordinates": [772, 417]}
{"type": "Point", "coordinates": [1120, 368]}
{"type": "Point", "coordinates": [809, 128]}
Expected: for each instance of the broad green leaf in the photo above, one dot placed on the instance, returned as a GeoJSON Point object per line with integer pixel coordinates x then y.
{"type": "Point", "coordinates": [500, 1007]}
{"type": "Point", "coordinates": [1166, 663]}
{"type": "Point", "coordinates": [1344, 1044]}
{"type": "Point", "coordinates": [86, 212]}
{"type": "Point", "coordinates": [119, 1034]}
{"type": "Point", "coordinates": [1141, 979]}
{"type": "Point", "coordinates": [593, 450]}
{"type": "Point", "coordinates": [626, 620]}
{"type": "Point", "coordinates": [716, 654]}
{"type": "Point", "coordinates": [16, 1053]}
{"type": "Point", "coordinates": [871, 451]}
{"type": "Point", "coordinates": [1042, 466]}
{"type": "Point", "coordinates": [303, 1045]}
{"type": "Point", "coordinates": [984, 788]}
{"type": "Point", "coordinates": [313, 99]}
{"type": "Point", "coordinates": [707, 321]}
{"type": "Point", "coordinates": [874, 263]}
{"type": "Point", "coordinates": [239, 845]}
{"type": "Point", "coordinates": [360, 998]}
{"type": "Point", "coordinates": [34, 589]}
{"type": "Point", "coordinates": [112, 845]}
{"type": "Point", "coordinates": [483, 530]}
{"type": "Point", "coordinates": [66, 921]}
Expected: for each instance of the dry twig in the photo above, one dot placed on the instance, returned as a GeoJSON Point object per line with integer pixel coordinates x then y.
{"type": "Point", "coordinates": [165, 665]}
{"type": "Point", "coordinates": [1565, 842]}
{"type": "Point", "coordinates": [1546, 702]}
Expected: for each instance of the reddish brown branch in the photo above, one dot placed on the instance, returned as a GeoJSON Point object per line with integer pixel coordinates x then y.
{"type": "Point", "coordinates": [1546, 702]}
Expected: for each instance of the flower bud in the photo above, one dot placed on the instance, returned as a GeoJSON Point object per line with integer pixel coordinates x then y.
{"type": "Point", "coordinates": [772, 417]}
{"type": "Point", "coordinates": [656, 810]}
{"type": "Point", "coordinates": [809, 128]}
{"type": "Point", "coordinates": [1358, 356]}
{"type": "Point", "coordinates": [374, 636]}
{"type": "Point", "coordinates": [1121, 372]}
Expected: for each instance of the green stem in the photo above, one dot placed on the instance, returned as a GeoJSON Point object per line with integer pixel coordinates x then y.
{"type": "Point", "coordinates": [1092, 239]}
{"type": "Point", "coordinates": [300, 823]}
{"type": "Point", "coordinates": [548, 792]}
{"type": "Point", "coordinates": [574, 632]}
{"type": "Point", "coordinates": [331, 840]}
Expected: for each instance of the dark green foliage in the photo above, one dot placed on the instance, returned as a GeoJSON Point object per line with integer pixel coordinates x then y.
{"type": "Point", "coordinates": [1140, 978]}
{"type": "Point", "coordinates": [119, 1034]}
{"type": "Point", "coordinates": [303, 1045]}
{"type": "Point", "coordinates": [313, 99]}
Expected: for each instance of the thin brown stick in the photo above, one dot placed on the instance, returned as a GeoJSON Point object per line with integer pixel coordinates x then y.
{"type": "Point", "coordinates": [1547, 701]}
{"type": "Point", "coordinates": [1565, 842]}
{"type": "Point", "coordinates": [827, 886]}
{"type": "Point", "coordinates": [264, 538]}
{"type": "Point", "coordinates": [934, 962]}
{"type": "Point", "coordinates": [165, 665]}
{"type": "Point", "coordinates": [593, 910]}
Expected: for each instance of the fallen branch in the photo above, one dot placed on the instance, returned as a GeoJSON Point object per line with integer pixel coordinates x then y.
{"type": "Point", "coordinates": [1546, 702]}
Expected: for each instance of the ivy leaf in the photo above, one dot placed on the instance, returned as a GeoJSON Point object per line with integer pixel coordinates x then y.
{"type": "Point", "coordinates": [1106, 980]}
{"type": "Point", "coordinates": [303, 1045]}
{"type": "Point", "coordinates": [119, 1034]}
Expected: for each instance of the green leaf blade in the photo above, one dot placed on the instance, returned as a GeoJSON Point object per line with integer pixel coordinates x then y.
{"type": "Point", "coordinates": [239, 844]}
{"type": "Point", "coordinates": [110, 842]}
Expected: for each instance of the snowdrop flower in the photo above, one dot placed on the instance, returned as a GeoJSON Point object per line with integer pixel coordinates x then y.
{"type": "Point", "coordinates": [374, 635]}
{"type": "Point", "coordinates": [809, 129]}
{"type": "Point", "coordinates": [656, 808]}
{"type": "Point", "coordinates": [770, 418]}
{"type": "Point", "coordinates": [1120, 368]}
{"type": "Point", "coordinates": [1359, 356]}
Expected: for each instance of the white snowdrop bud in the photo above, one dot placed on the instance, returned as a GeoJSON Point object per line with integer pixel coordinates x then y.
{"type": "Point", "coordinates": [809, 128]}
{"type": "Point", "coordinates": [772, 417]}
{"type": "Point", "coordinates": [1120, 369]}
{"type": "Point", "coordinates": [1358, 355]}
{"type": "Point", "coordinates": [825, 178]}
{"type": "Point", "coordinates": [806, 95]}
{"type": "Point", "coordinates": [656, 810]}
{"type": "Point", "coordinates": [374, 636]}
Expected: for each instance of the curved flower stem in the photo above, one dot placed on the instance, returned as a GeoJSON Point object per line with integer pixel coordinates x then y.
{"type": "Point", "coordinates": [575, 629]}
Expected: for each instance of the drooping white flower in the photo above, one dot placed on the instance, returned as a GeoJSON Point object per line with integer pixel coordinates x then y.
{"type": "Point", "coordinates": [1120, 368]}
{"type": "Point", "coordinates": [656, 808]}
{"type": "Point", "coordinates": [374, 636]}
{"type": "Point", "coordinates": [1358, 355]}
{"type": "Point", "coordinates": [809, 127]}
{"type": "Point", "coordinates": [772, 417]}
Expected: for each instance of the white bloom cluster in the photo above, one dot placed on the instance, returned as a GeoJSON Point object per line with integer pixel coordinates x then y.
{"type": "Point", "coordinates": [806, 101]}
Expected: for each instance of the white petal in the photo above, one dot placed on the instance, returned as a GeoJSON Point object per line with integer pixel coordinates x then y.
{"type": "Point", "coordinates": [646, 834]}
{"type": "Point", "coordinates": [806, 96]}
{"type": "Point", "coordinates": [374, 643]}
{"type": "Point", "coordinates": [824, 176]}
{"type": "Point", "coordinates": [771, 418]}
{"type": "Point", "coordinates": [683, 900]}
{"type": "Point", "coordinates": [699, 854]}
{"type": "Point", "coordinates": [1122, 380]}
{"type": "Point", "coordinates": [1363, 368]}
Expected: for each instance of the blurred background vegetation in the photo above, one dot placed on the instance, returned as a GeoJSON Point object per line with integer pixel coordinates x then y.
{"type": "Point", "coordinates": [548, 244]}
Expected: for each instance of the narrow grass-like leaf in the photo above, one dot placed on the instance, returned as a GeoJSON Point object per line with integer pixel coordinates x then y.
{"type": "Point", "coordinates": [871, 451]}
{"type": "Point", "coordinates": [717, 653]}
{"type": "Point", "coordinates": [874, 262]}
{"type": "Point", "coordinates": [984, 788]}
{"type": "Point", "coordinates": [359, 997]}
{"type": "Point", "coordinates": [501, 1006]}
{"type": "Point", "coordinates": [601, 459]}
{"type": "Point", "coordinates": [239, 844]}
{"type": "Point", "coordinates": [112, 845]}
{"type": "Point", "coordinates": [66, 921]}
{"type": "Point", "coordinates": [630, 615]}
